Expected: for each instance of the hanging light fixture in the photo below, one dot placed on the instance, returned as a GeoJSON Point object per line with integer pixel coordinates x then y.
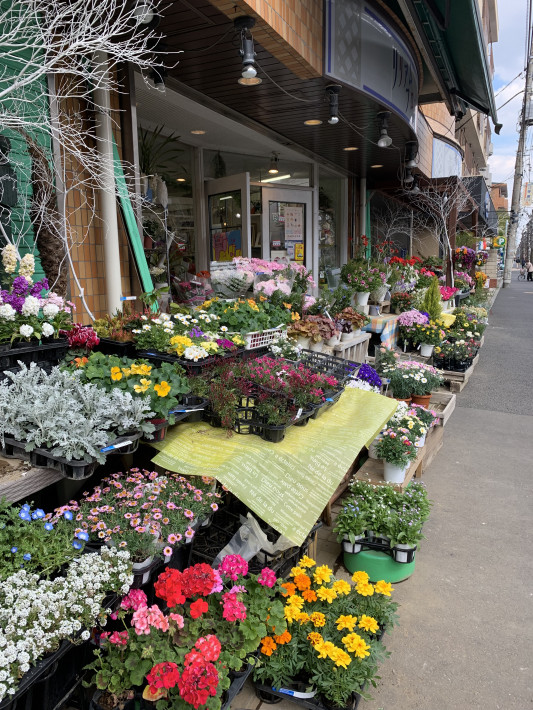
{"type": "Point", "coordinates": [415, 189]}
{"type": "Point", "coordinates": [145, 14]}
{"type": "Point", "coordinates": [248, 77]}
{"type": "Point", "coordinates": [273, 168]}
{"type": "Point", "coordinates": [384, 140]}
{"type": "Point", "coordinates": [408, 179]}
{"type": "Point", "coordinates": [332, 92]}
{"type": "Point", "coordinates": [411, 149]}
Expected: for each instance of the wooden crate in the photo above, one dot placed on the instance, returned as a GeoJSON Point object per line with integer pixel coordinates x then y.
{"type": "Point", "coordinates": [384, 306]}
{"type": "Point", "coordinates": [458, 380]}
{"type": "Point", "coordinates": [443, 404]}
{"type": "Point", "coordinates": [433, 446]}
{"type": "Point", "coordinates": [19, 480]}
{"type": "Point", "coordinates": [355, 350]}
{"type": "Point", "coordinates": [372, 472]}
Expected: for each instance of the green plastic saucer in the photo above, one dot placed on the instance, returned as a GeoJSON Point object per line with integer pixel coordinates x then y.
{"type": "Point", "coordinates": [378, 565]}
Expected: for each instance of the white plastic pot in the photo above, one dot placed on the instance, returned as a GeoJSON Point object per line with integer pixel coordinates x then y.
{"type": "Point", "coordinates": [352, 547]}
{"type": "Point", "coordinates": [394, 474]}
{"type": "Point", "coordinates": [316, 347]}
{"type": "Point", "coordinates": [362, 297]}
{"type": "Point", "coordinates": [401, 552]}
{"type": "Point", "coordinates": [426, 350]}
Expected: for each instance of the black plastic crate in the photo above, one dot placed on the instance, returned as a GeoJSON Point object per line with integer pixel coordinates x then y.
{"type": "Point", "coordinates": [341, 369]}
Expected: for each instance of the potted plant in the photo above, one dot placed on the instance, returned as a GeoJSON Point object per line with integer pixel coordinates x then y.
{"type": "Point", "coordinates": [396, 447]}
{"type": "Point", "coordinates": [401, 301]}
{"type": "Point", "coordinates": [332, 633]}
{"type": "Point", "coordinates": [401, 385]}
{"type": "Point", "coordinates": [357, 319]}
{"type": "Point", "coordinates": [285, 348]}
{"type": "Point", "coordinates": [424, 379]}
{"type": "Point", "coordinates": [407, 320]}
{"type": "Point", "coordinates": [427, 335]}
{"type": "Point", "coordinates": [304, 332]}
{"type": "Point", "coordinates": [351, 524]}
{"type": "Point", "coordinates": [362, 279]}
{"type": "Point", "coordinates": [329, 331]}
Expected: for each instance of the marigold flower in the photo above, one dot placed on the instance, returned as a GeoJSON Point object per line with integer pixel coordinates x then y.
{"type": "Point", "coordinates": [383, 587]}
{"type": "Point", "coordinates": [318, 619]}
{"type": "Point", "coordinates": [359, 576]}
{"type": "Point", "coordinates": [292, 613]}
{"type": "Point", "coordinates": [340, 657]}
{"type": "Point", "coordinates": [323, 649]}
{"type": "Point", "coordinates": [295, 571]}
{"type": "Point", "coordinates": [309, 595]}
{"type": "Point", "coordinates": [303, 618]}
{"type": "Point", "coordinates": [322, 574]}
{"type": "Point", "coordinates": [341, 587]}
{"type": "Point", "coordinates": [268, 646]}
{"type": "Point", "coordinates": [346, 622]}
{"type": "Point", "coordinates": [283, 638]}
{"type": "Point", "coordinates": [302, 581]}
{"type": "Point", "coordinates": [296, 601]}
{"type": "Point", "coordinates": [306, 562]}
{"type": "Point", "coordinates": [357, 645]}
{"type": "Point", "coordinates": [368, 623]}
{"type": "Point", "coordinates": [365, 589]}
{"type": "Point", "coordinates": [326, 595]}
{"type": "Point", "coordinates": [289, 589]}
{"type": "Point", "coordinates": [314, 637]}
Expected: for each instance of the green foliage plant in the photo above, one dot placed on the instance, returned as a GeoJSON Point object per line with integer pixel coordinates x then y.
{"type": "Point", "coordinates": [432, 303]}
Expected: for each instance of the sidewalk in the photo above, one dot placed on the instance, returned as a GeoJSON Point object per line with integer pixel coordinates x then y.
{"type": "Point", "coordinates": [466, 628]}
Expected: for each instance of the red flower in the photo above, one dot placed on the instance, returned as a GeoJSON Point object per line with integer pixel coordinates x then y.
{"type": "Point", "coordinates": [169, 587]}
{"type": "Point", "coordinates": [163, 675]}
{"type": "Point", "coordinates": [198, 579]}
{"type": "Point", "coordinates": [198, 608]}
{"type": "Point", "coordinates": [198, 681]}
{"type": "Point", "coordinates": [209, 646]}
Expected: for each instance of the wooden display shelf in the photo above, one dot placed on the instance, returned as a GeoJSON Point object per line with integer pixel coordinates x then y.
{"type": "Point", "coordinates": [443, 403]}
{"type": "Point", "coordinates": [18, 479]}
{"type": "Point", "coordinates": [458, 380]}
{"type": "Point", "coordinates": [384, 306]}
{"type": "Point", "coordinates": [355, 350]}
{"type": "Point", "coordinates": [433, 446]}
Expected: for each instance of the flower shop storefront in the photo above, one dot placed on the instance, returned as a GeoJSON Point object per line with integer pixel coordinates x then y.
{"type": "Point", "coordinates": [162, 475]}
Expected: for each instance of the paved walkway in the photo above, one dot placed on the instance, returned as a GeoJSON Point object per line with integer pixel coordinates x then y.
{"type": "Point", "coordinates": [465, 638]}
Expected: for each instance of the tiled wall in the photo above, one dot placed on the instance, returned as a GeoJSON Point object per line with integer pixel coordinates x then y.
{"type": "Point", "coordinates": [291, 30]}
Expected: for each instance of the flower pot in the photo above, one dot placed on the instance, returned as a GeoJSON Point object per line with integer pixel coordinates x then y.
{"type": "Point", "coordinates": [160, 430]}
{"type": "Point", "coordinates": [316, 347]}
{"type": "Point", "coordinates": [346, 337]}
{"type": "Point", "coordinates": [407, 400]}
{"type": "Point", "coordinates": [303, 342]}
{"type": "Point", "coordinates": [142, 570]}
{"type": "Point", "coordinates": [372, 454]}
{"type": "Point", "coordinates": [4, 347]}
{"type": "Point", "coordinates": [334, 340]}
{"type": "Point", "coordinates": [379, 294]}
{"type": "Point", "coordinates": [394, 474]}
{"type": "Point", "coordinates": [420, 442]}
{"type": "Point", "coordinates": [375, 310]}
{"type": "Point", "coordinates": [361, 298]}
{"type": "Point", "coordinates": [353, 547]}
{"type": "Point", "coordinates": [421, 399]}
{"type": "Point", "coordinates": [426, 350]}
{"type": "Point", "coordinates": [404, 553]}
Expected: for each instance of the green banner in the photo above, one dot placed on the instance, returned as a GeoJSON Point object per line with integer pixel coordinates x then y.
{"type": "Point", "coordinates": [288, 484]}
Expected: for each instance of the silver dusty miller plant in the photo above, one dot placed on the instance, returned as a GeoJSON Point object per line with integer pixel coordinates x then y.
{"type": "Point", "coordinates": [70, 419]}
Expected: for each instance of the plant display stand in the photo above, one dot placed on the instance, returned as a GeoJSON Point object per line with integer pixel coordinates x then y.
{"type": "Point", "coordinates": [378, 565]}
{"type": "Point", "coordinates": [355, 350]}
{"type": "Point", "coordinates": [272, 696]}
{"type": "Point", "coordinates": [384, 305]}
{"type": "Point", "coordinates": [432, 447]}
{"type": "Point", "coordinates": [372, 472]}
{"type": "Point", "coordinates": [18, 479]}
{"type": "Point", "coordinates": [458, 380]}
{"type": "Point", "coordinates": [443, 404]}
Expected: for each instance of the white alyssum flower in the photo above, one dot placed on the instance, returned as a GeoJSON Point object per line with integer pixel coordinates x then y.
{"type": "Point", "coordinates": [50, 310]}
{"type": "Point", "coordinates": [26, 331]}
{"type": "Point", "coordinates": [7, 312]}
{"type": "Point", "coordinates": [31, 306]}
{"type": "Point", "coordinates": [47, 330]}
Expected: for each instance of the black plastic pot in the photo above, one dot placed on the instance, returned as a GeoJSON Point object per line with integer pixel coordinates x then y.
{"type": "Point", "coordinates": [108, 346]}
{"type": "Point", "coordinates": [75, 470]}
{"type": "Point", "coordinates": [133, 437]}
{"type": "Point", "coordinates": [160, 429]}
{"type": "Point", "coordinates": [272, 433]}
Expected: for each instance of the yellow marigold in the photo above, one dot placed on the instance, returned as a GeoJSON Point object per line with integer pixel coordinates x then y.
{"type": "Point", "coordinates": [359, 576]}
{"type": "Point", "coordinates": [314, 637]}
{"type": "Point", "coordinates": [318, 619]}
{"type": "Point", "coordinates": [116, 374]}
{"type": "Point", "coordinates": [288, 589]}
{"type": "Point", "coordinates": [340, 657]}
{"type": "Point", "coordinates": [357, 645]}
{"type": "Point", "coordinates": [268, 646]}
{"type": "Point", "coordinates": [306, 562]}
{"type": "Point", "coordinates": [323, 649]}
{"type": "Point", "coordinates": [365, 589]}
{"type": "Point", "coordinates": [302, 581]}
{"type": "Point", "coordinates": [368, 623]}
{"type": "Point", "coordinates": [326, 595]}
{"type": "Point", "coordinates": [383, 587]}
{"type": "Point", "coordinates": [341, 587]}
{"type": "Point", "coordinates": [295, 315]}
{"type": "Point", "coordinates": [283, 638]}
{"type": "Point", "coordinates": [295, 571]}
{"type": "Point", "coordinates": [322, 574]}
{"type": "Point", "coordinates": [346, 622]}
{"type": "Point", "coordinates": [143, 386]}
{"type": "Point", "coordinates": [291, 613]}
{"type": "Point", "coordinates": [163, 389]}
{"type": "Point", "coordinates": [309, 595]}
{"type": "Point", "coordinates": [303, 618]}
{"type": "Point", "coordinates": [296, 601]}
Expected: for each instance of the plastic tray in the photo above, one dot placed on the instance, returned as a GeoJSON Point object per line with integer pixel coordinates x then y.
{"type": "Point", "coordinates": [341, 369]}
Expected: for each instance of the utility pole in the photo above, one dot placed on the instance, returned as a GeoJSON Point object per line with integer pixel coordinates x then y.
{"type": "Point", "coordinates": [518, 170]}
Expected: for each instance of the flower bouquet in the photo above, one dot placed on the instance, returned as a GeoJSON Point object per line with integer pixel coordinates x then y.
{"type": "Point", "coordinates": [331, 643]}
{"type": "Point", "coordinates": [184, 656]}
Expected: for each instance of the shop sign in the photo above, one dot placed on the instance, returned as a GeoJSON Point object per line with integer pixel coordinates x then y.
{"type": "Point", "coordinates": [299, 251]}
{"type": "Point", "coordinates": [363, 50]}
{"type": "Point", "coordinates": [500, 241]}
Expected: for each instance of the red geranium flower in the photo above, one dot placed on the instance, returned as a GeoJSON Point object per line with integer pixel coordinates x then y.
{"type": "Point", "coordinates": [198, 608]}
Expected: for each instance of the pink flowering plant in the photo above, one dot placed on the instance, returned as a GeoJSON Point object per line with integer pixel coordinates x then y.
{"type": "Point", "coordinates": [144, 512]}
{"type": "Point", "coordinates": [183, 650]}
{"type": "Point", "coordinates": [396, 445]}
{"type": "Point", "coordinates": [361, 277]}
{"type": "Point", "coordinates": [446, 292]}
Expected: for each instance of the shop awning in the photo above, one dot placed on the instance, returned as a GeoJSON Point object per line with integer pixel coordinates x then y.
{"type": "Point", "coordinates": [452, 34]}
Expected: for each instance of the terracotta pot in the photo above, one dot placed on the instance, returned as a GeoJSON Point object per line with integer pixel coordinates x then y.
{"type": "Point", "coordinates": [407, 400]}
{"type": "Point", "coordinates": [421, 399]}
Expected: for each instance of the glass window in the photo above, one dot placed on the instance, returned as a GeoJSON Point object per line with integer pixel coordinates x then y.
{"type": "Point", "coordinates": [218, 164]}
{"type": "Point", "coordinates": [330, 205]}
{"type": "Point", "coordinates": [225, 225]}
{"type": "Point", "coordinates": [287, 230]}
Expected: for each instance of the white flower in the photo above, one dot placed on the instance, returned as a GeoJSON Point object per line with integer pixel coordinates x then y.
{"type": "Point", "coordinates": [135, 330]}
{"type": "Point", "coordinates": [157, 321]}
{"type": "Point", "coordinates": [144, 317]}
{"type": "Point", "coordinates": [224, 328]}
{"type": "Point", "coordinates": [47, 330]}
{"type": "Point", "coordinates": [7, 312]}
{"type": "Point", "coordinates": [147, 327]}
{"type": "Point", "coordinates": [165, 316]}
{"type": "Point", "coordinates": [50, 310]}
{"type": "Point", "coordinates": [31, 306]}
{"type": "Point", "coordinates": [27, 266]}
{"type": "Point", "coordinates": [26, 331]}
{"type": "Point", "coordinates": [9, 258]}
{"type": "Point", "coordinates": [195, 352]}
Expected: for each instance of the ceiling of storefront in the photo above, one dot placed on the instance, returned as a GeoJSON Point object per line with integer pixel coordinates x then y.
{"type": "Point", "coordinates": [280, 104]}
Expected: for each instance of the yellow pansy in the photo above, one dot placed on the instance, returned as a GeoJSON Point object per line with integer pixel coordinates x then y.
{"type": "Point", "coordinates": [210, 346]}
{"type": "Point", "coordinates": [341, 587]}
{"type": "Point", "coordinates": [116, 374]}
{"type": "Point", "coordinates": [126, 371]}
{"type": "Point", "coordinates": [346, 621]}
{"type": "Point", "coordinates": [163, 389]}
{"type": "Point", "coordinates": [143, 386]}
{"type": "Point", "coordinates": [384, 588]}
{"type": "Point", "coordinates": [368, 623]}
{"type": "Point", "coordinates": [237, 339]}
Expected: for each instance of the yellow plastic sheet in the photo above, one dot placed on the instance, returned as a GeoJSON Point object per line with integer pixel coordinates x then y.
{"type": "Point", "coordinates": [287, 484]}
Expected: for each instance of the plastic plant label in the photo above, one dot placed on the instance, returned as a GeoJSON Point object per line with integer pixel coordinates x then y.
{"type": "Point", "coordinates": [299, 413]}
{"type": "Point", "coordinates": [112, 447]}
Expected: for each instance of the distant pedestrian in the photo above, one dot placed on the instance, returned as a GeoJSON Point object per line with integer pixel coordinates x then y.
{"type": "Point", "coordinates": [529, 267]}
{"type": "Point", "coordinates": [523, 263]}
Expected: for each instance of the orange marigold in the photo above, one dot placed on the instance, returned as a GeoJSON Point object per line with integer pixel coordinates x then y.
{"type": "Point", "coordinates": [268, 646]}
{"type": "Point", "coordinates": [283, 638]}
{"type": "Point", "coordinates": [289, 589]}
{"type": "Point", "coordinates": [309, 595]}
{"type": "Point", "coordinates": [302, 581]}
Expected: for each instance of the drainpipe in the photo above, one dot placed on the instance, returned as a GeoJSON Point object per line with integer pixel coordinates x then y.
{"type": "Point", "coordinates": [362, 208]}
{"type": "Point", "coordinates": [108, 203]}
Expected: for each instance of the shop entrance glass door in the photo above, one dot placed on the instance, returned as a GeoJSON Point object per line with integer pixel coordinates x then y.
{"type": "Point", "coordinates": [229, 217]}
{"type": "Point", "coordinates": [287, 225]}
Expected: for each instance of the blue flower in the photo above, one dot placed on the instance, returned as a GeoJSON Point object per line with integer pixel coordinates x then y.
{"type": "Point", "coordinates": [24, 515]}
{"type": "Point", "coordinates": [83, 535]}
{"type": "Point", "coordinates": [27, 556]}
{"type": "Point", "coordinates": [26, 506]}
{"type": "Point", "coordinates": [38, 514]}
{"type": "Point", "coordinates": [77, 545]}
{"type": "Point", "coordinates": [48, 526]}
{"type": "Point", "coordinates": [67, 515]}
{"type": "Point", "coordinates": [14, 549]}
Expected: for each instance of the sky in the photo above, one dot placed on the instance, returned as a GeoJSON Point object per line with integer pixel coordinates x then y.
{"type": "Point", "coordinates": [509, 61]}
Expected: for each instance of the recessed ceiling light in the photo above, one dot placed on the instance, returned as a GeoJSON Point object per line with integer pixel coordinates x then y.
{"type": "Point", "coordinates": [351, 147]}
{"type": "Point", "coordinates": [198, 132]}
{"type": "Point", "coordinates": [180, 179]}
{"type": "Point", "coordinates": [376, 166]}
{"type": "Point", "coordinates": [313, 122]}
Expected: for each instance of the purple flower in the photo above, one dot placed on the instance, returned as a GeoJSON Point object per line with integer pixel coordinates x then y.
{"type": "Point", "coordinates": [368, 374]}
{"type": "Point", "coordinates": [38, 287]}
{"type": "Point", "coordinates": [224, 343]}
{"type": "Point", "coordinates": [196, 333]}
{"type": "Point", "coordinates": [20, 286]}
{"type": "Point", "coordinates": [15, 301]}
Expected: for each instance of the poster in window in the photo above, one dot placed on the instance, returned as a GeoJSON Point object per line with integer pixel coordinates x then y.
{"type": "Point", "coordinates": [299, 251]}
{"type": "Point", "coordinates": [294, 223]}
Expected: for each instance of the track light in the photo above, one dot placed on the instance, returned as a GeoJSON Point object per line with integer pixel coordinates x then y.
{"type": "Point", "coordinates": [333, 91]}
{"type": "Point", "coordinates": [411, 149]}
{"type": "Point", "coordinates": [385, 140]}
{"type": "Point", "coordinates": [249, 71]}
{"type": "Point", "coordinates": [273, 168]}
